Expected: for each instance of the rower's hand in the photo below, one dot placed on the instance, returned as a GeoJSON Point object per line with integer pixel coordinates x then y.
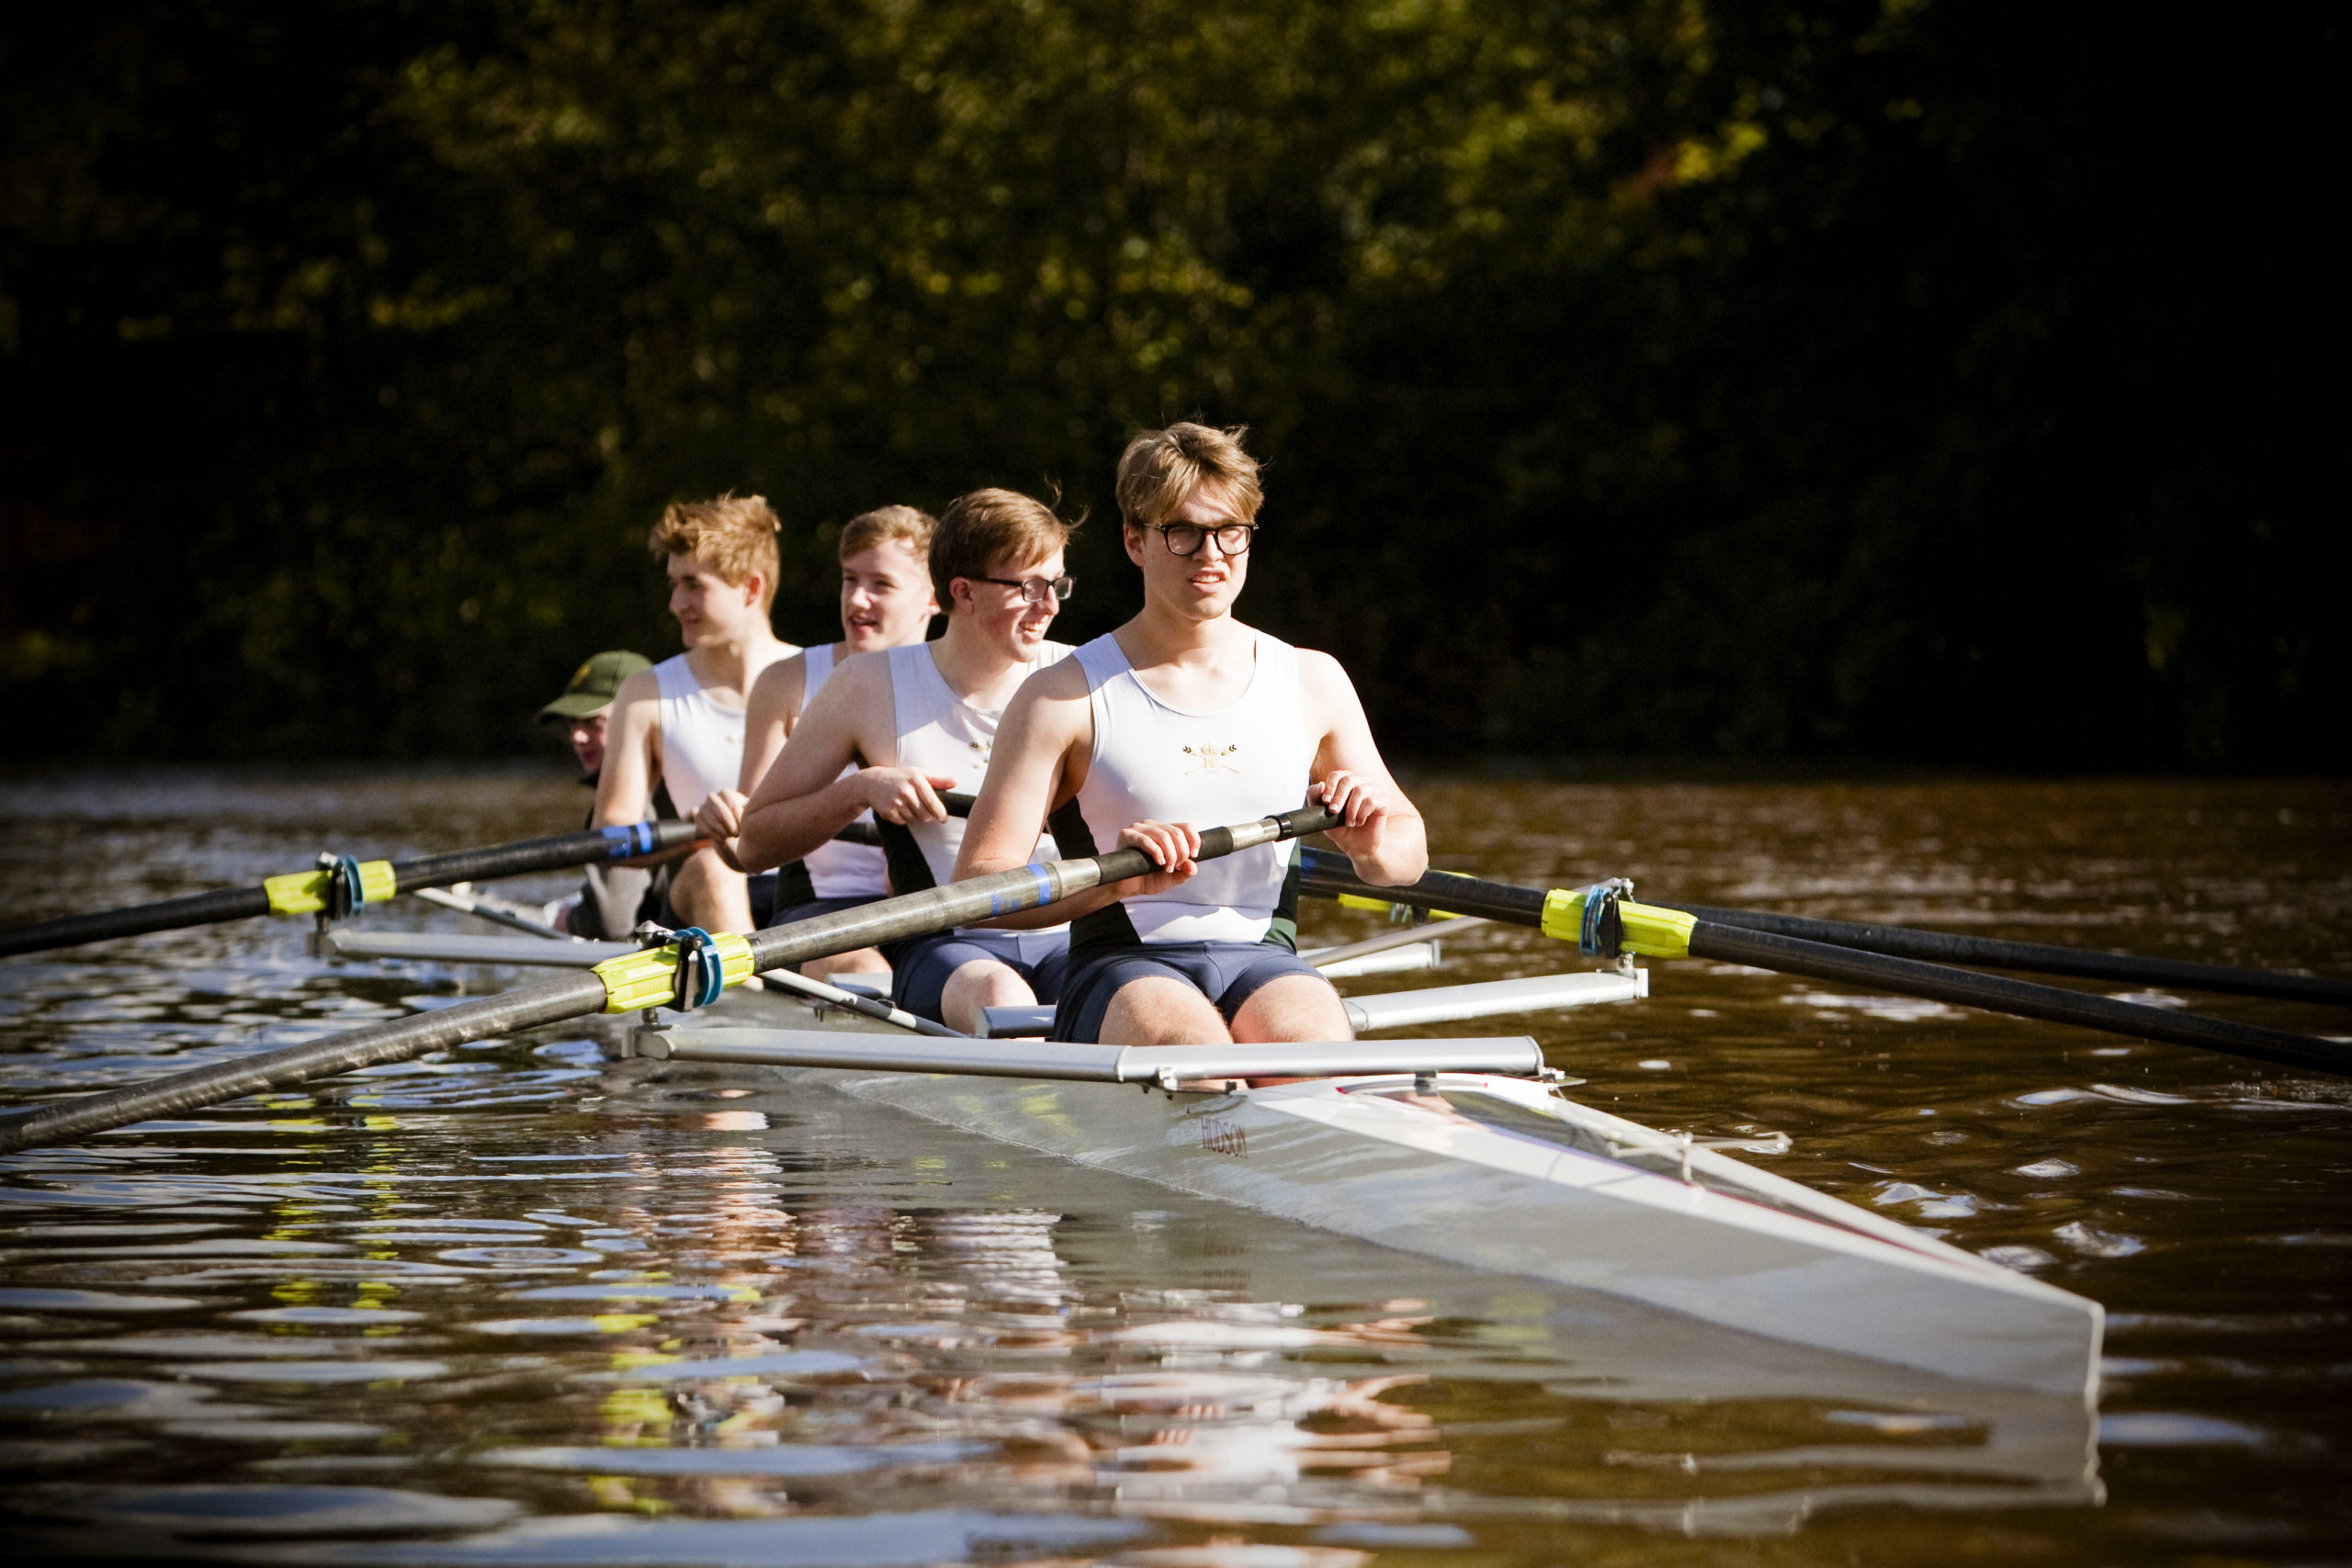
{"type": "Point", "coordinates": [1170, 845]}
{"type": "Point", "coordinates": [1368, 809]}
{"type": "Point", "coordinates": [1359, 802]}
{"type": "Point", "coordinates": [720, 819]}
{"type": "Point", "coordinates": [904, 796]}
{"type": "Point", "coordinates": [721, 815]}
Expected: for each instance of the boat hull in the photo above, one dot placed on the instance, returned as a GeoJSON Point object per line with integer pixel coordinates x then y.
{"type": "Point", "coordinates": [1368, 1159]}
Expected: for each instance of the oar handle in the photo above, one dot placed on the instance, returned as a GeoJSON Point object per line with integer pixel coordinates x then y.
{"type": "Point", "coordinates": [1003, 893]}
{"type": "Point", "coordinates": [576, 996]}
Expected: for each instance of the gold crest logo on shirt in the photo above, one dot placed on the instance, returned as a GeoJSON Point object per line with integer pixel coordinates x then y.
{"type": "Point", "coordinates": [1210, 758]}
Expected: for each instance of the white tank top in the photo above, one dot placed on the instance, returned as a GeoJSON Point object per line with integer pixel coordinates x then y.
{"type": "Point", "coordinates": [837, 870]}
{"type": "Point", "coordinates": [702, 743]}
{"type": "Point", "coordinates": [1156, 763]}
{"type": "Point", "coordinates": [949, 737]}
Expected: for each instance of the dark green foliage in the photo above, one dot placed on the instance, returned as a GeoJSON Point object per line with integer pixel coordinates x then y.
{"type": "Point", "coordinates": [1918, 380]}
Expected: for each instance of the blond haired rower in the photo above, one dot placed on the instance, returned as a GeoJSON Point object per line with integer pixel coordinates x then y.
{"type": "Point", "coordinates": [1182, 718]}
{"type": "Point", "coordinates": [681, 722]}
{"type": "Point", "coordinates": [887, 602]}
{"type": "Point", "coordinates": [893, 730]}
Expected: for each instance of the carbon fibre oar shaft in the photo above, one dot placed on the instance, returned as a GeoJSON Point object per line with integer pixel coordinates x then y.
{"type": "Point", "coordinates": [294, 894]}
{"type": "Point", "coordinates": [1983, 952]}
{"type": "Point", "coordinates": [579, 994]}
{"type": "Point", "coordinates": [1908, 976]}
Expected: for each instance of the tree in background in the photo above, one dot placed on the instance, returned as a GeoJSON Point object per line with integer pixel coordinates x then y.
{"type": "Point", "coordinates": [1905, 379]}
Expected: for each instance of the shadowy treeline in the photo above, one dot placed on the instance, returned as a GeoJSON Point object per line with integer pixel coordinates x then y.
{"type": "Point", "coordinates": [1919, 379]}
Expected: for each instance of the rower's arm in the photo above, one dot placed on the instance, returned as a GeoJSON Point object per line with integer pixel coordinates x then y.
{"type": "Point", "coordinates": [632, 753]}
{"type": "Point", "coordinates": [803, 800]}
{"type": "Point", "coordinates": [1041, 743]}
{"type": "Point", "coordinates": [1385, 837]}
{"type": "Point", "coordinates": [768, 715]}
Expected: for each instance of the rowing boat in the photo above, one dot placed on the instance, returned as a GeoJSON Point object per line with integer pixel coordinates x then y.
{"type": "Point", "coordinates": [1464, 1150]}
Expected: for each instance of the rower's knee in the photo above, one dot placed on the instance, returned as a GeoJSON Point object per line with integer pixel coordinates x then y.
{"type": "Point", "coordinates": [983, 983]}
{"type": "Point", "coordinates": [1155, 1011]}
{"type": "Point", "coordinates": [706, 892]}
{"type": "Point", "coordinates": [1293, 1007]}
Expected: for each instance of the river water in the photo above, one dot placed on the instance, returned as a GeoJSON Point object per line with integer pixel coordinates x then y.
{"type": "Point", "coordinates": [525, 1305]}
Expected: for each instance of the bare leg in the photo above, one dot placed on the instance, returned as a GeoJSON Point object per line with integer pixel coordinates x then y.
{"type": "Point", "coordinates": [864, 960]}
{"type": "Point", "coordinates": [1156, 1010]}
{"type": "Point", "coordinates": [707, 894]}
{"type": "Point", "coordinates": [983, 983]}
{"type": "Point", "coordinates": [1294, 1007]}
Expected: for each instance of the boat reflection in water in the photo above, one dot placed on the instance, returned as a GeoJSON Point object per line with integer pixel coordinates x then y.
{"type": "Point", "coordinates": [1019, 1355]}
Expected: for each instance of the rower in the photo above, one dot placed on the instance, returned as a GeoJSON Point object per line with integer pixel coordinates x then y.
{"type": "Point", "coordinates": [680, 723]}
{"type": "Point", "coordinates": [891, 730]}
{"type": "Point", "coordinates": [1186, 717]}
{"type": "Point", "coordinates": [612, 898]}
{"type": "Point", "coordinates": [887, 603]}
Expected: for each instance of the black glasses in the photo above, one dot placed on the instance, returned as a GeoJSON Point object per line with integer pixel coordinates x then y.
{"type": "Point", "coordinates": [1034, 589]}
{"type": "Point", "coordinates": [1186, 538]}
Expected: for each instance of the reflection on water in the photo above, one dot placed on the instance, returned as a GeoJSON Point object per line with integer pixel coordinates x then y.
{"type": "Point", "coordinates": [519, 1304]}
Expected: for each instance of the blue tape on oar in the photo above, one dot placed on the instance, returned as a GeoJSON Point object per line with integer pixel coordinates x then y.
{"type": "Point", "coordinates": [1004, 904]}
{"type": "Point", "coordinates": [630, 838]}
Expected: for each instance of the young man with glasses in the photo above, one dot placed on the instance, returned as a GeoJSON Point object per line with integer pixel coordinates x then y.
{"type": "Point", "coordinates": [1185, 718]}
{"type": "Point", "coordinates": [915, 722]}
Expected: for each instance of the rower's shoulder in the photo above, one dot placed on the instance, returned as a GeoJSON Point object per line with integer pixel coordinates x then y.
{"type": "Point", "coordinates": [1317, 668]}
{"type": "Point", "coordinates": [863, 671]}
{"type": "Point", "coordinates": [1326, 696]}
{"type": "Point", "coordinates": [780, 684]}
{"type": "Point", "coordinates": [644, 686]}
{"type": "Point", "coordinates": [1064, 680]}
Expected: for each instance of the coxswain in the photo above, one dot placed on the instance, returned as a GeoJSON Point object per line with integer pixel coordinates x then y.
{"type": "Point", "coordinates": [612, 898]}
{"type": "Point", "coordinates": [893, 730]}
{"type": "Point", "coordinates": [1185, 717]}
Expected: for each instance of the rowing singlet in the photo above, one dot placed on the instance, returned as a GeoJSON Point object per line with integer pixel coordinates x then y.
{"type": "Point", "coordinates": [947, 737]}
{"type": "Point", "coordinates": [835, 870]}
{"type": "Point", "coordinates": [702, 743]}
{"type": "Point", "coordinates": [1156, 763]}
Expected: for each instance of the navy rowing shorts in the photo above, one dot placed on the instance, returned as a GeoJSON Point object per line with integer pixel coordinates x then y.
{"type": "Point", "coordinates": [919, 968]}
{"type": "Point", "coordinates": [1227, 973]}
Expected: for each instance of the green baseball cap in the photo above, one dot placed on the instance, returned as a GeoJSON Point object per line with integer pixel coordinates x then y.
{"type": "Point", "coordinates": [594, 685]}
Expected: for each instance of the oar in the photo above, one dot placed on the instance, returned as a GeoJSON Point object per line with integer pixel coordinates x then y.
{"type": "Point", "coordinates": [342, 885]}
{"type": "Point", "coordinates": [1985, 952]}
{"type": "Point", "coordinates": [1663, 931]}
{"type": "Point", "coordinates": [691, 973]}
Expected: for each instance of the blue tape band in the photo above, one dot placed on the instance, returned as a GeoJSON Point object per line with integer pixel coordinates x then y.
{"type": "Point", "coordinates": [630, 839]}
{"type": "Point", "coordinates": [1009, 903]}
